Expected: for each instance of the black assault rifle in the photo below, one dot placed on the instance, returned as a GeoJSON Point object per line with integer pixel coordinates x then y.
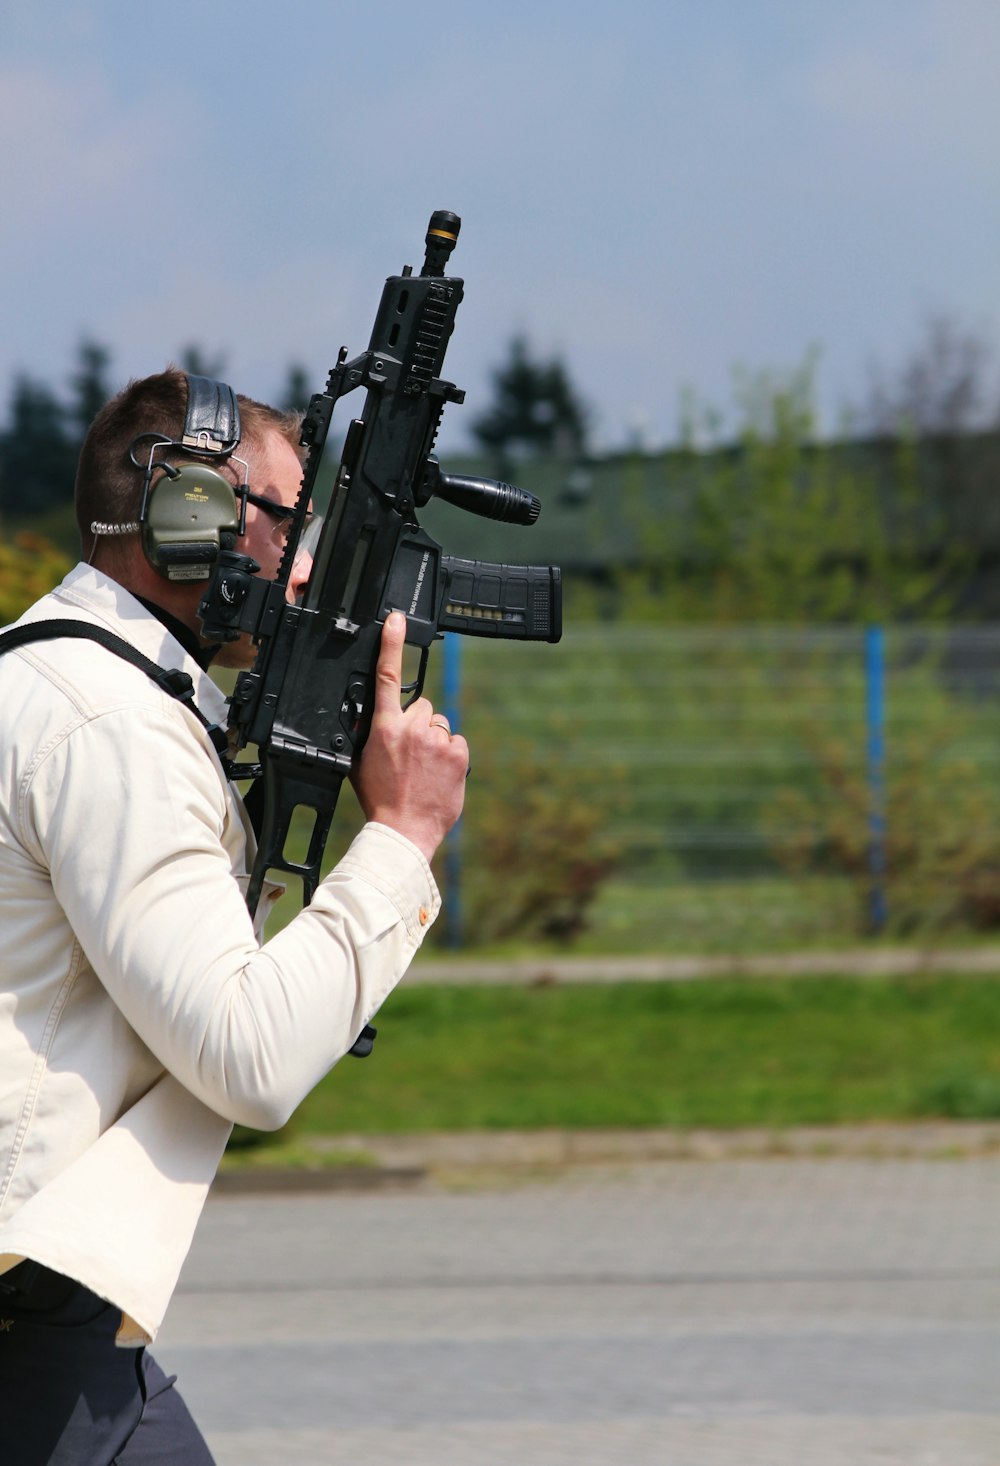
{"type": "Point", "coordinates": [307, 703]}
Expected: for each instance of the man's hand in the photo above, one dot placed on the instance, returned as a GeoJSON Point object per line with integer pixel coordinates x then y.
{"type": "Point", "coordinates": [411, 775]}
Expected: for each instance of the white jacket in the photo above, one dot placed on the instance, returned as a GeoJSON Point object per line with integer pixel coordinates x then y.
{"type": "Point", "coordinates": [139, 1017]}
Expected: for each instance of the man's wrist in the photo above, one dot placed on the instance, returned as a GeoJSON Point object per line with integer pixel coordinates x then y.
{"type": "Point", "coordinates": [423, 834]}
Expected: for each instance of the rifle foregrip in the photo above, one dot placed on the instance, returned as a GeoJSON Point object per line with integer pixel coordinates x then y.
{"type": "Point", "coordinates": [517, 602]}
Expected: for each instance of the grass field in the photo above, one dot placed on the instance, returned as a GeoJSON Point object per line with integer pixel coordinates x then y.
{"type": "Point", "coordinates": [771, 1053]}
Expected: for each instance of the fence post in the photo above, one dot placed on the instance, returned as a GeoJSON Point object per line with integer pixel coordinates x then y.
{"type": "Point", "coordinates": [453, 840]}
{"type": "Point", "coordinates": [875, 721]}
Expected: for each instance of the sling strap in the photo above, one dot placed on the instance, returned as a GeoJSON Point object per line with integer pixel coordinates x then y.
{"type": "Point", "coordinates": [176, 683]}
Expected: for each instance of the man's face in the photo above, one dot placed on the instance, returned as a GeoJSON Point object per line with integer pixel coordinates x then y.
{"type": "Point", "coordinates": [275, 474]}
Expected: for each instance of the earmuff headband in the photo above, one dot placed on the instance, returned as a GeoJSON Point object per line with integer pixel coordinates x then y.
{"type": "Point", "coordinates": [212, 424]}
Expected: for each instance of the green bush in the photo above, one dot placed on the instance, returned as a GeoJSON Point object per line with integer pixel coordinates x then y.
{"type": "Point", "coordinates": [941, 820]}
{"type": "Point", "coordinates": [30, 566]}
{"type": "Point", "coordinates": [536, 849]}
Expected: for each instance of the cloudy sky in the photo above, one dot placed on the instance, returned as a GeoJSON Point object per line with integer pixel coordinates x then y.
{"type": "Point", "coordinates": [658, 190]}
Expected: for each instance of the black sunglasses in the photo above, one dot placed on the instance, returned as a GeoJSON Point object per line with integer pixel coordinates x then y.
{"type": "Point", "coordinates": [276, 511]}
{"type": "Point", "coordinates": [280, 512]}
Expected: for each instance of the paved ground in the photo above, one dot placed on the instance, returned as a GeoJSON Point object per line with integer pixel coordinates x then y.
{"type": "Point", "coordinates": [721, 1312]}
{"type": "Point", "coordinates": [655, 1299]}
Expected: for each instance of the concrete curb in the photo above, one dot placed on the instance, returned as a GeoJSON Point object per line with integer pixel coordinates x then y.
{"type": "Point", "coordinates": [394, 1161]}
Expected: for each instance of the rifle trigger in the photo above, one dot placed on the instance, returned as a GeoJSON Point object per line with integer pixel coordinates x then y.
{"type": "Point", "coordinates": [416, 687]}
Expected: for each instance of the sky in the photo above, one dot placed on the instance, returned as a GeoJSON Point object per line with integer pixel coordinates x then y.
{"type": "Point", "coordinates": [660, 192]}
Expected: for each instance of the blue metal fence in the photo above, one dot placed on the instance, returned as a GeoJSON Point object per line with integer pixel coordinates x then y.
{"type": "Point", "coordinates": [697, 735]}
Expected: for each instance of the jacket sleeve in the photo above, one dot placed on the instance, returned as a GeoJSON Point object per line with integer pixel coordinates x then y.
{"type": "Point", "coordinates": [127, 812]}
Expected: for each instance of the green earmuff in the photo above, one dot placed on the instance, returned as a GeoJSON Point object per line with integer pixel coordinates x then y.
{"type": "Point", "coordinates": [188, 510]}
{"type": "Point", "coordinates": [184, 514]}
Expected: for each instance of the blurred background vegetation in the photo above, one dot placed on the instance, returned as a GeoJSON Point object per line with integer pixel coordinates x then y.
{"type": "Point", "coordinates": [688, 770]}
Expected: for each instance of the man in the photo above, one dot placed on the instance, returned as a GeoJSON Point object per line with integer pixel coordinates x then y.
{"type": "Point", "coordinates": [139, 1015]}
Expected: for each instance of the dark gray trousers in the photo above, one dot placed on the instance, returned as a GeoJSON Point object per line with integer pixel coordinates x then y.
{"type": "Point", "coordinates": [69, 1397]}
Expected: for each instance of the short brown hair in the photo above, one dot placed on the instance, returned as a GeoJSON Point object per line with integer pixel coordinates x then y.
{"type": "Point", "coordinates": [108, 484]}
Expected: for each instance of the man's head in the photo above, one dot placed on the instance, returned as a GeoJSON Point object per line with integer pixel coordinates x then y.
{"type": "Point", "coordinates": [108, 482]}
{"type": "Point", "coordinates": [109, 485]}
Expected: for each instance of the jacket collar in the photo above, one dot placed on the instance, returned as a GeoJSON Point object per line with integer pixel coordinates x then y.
{"type": "Point", "coordinates": [88, 589]}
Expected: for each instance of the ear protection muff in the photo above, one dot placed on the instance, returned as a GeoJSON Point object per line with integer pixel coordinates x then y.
{"type": "Point", "coordinates": [184, 513]}
{"type": "Point", "coordinates": [188, 509]}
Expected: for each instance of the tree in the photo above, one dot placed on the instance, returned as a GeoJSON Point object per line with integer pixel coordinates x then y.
{"type": "Point", "coordinates": [89, 386]}
{"type": "Point", "coordinates": [198, 363]}
{"type": "Point", "coordinates": [781, 526]}
{"type": "Point", "coordinates": [946, 386]}
{"type": "Point", "coordinates": [941, 406]}
{"type": "Point", "coordinates": [297, 390]}
{"type": "Point", "coordinates": [535, 410]}
{"type": "Point", "coordinates": [41, 441]}
{"type": "Point", "coordinates": [37, 451]}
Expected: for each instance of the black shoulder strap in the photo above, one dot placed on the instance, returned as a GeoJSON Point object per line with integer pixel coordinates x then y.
{"type": "Point", "coordinates": [175, 682]}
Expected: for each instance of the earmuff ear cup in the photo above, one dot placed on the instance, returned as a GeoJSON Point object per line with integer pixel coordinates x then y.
{"type": "Point", "coordinates": [185, 517]}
